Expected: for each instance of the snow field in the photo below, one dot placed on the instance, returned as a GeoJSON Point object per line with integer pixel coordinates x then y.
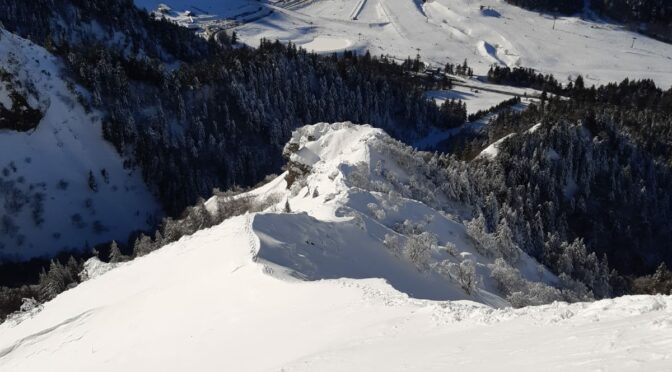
{"type": "Point", "coordinates": [326, 44]}
{"type": "Point", "coordinates": [454, 30]}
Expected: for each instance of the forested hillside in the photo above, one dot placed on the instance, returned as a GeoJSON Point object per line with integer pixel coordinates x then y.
{"type": "Point", "coordinates": [593, 170]}
{"type": "Point", "coordinates": [196, 114]}
{"type": "Point", "coordinates": [566, 7]}
{"type": "Point", "coordinates": [650, 17]}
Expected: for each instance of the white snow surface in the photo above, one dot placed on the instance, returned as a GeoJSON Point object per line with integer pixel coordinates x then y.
{"type": "Point", "coordinates": [492, 150]}
{"type": "Point", "coordinates": [54, 161]}
{"type": "Point", "coordinates": [314, 290]}
{"type": "Point", "coordinates": [327, 44]}
{"type": "Point", "coordinates": [449, 30]}
{"type": "Point", "coordinates": [475, 99]}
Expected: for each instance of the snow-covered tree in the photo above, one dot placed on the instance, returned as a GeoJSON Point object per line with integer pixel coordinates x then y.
{"type": "Point", "coordinates": [504, 240]}
{"type": "Point", "coordinates": [393, 244]}
{"type": "Point", "coordinates": [115, 253]}
{"type": "Point", "coordinates": [418, 249]}
{"type": "Point", "coordinates": [467, 275]}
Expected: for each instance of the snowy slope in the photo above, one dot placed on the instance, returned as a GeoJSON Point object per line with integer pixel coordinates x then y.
{"type": "Point", "coordinates": [454, 30]}
{"type": "Point", "coordinates": [493, 149]}
{"type": "Point", "coordinates": [46, 203]}
{"type": "Point", "coordinates": [204, 304]}
{"type": "Point", "coordinates": [315, 290]}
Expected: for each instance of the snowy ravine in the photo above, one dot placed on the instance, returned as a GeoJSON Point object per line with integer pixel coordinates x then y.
{"type": "Point", "coordinates": [61, 184]}
{"type": "Point", "coordinates": [315, 289]}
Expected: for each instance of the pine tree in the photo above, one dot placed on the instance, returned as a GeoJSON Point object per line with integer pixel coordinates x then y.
{"type": "Point", "coordinates": [467, 275]}
{"type": "Point", "coordinates": [115, 253]}
{"type": "Point", "coordinates": [578, 82]}
{"type": "Point", "coordinates": [73, 267]}
{"type": "Point", "coordinates": [143, 245]}
{"type": "Point", "coordinates": [53, 281]}
{"type": "Point", "coordinates": [505, 242]}
{"type": "Point", "coordinates": [662, 280]}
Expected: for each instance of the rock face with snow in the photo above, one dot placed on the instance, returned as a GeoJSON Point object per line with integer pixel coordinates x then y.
{"type": "Point", "coordinates": [61, 184]}
{"type": "Point", "coordinates": [343, 280]}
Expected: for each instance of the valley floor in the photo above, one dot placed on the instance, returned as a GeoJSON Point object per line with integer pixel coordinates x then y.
{"type": "Point", "coordinates": [485, 32]}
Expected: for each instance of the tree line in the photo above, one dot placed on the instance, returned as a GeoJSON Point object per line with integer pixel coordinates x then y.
{"type": "Point", "coordinates": [650, 17]}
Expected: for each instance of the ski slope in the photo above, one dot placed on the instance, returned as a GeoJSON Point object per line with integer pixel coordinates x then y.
{"type": "Point", "coordinates": [46, 200]}
{"type": "Point", "coordinates": [453, 30]}
{"type": "Point", "coordinates": [314, 289]}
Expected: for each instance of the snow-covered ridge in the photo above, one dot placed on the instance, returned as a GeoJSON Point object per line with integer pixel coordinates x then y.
{"type": "Point", "coordinates": [203, 303]}
{"type": "Point", "coordinates": [354, 194]}
{"type": "Point", "coordinates": [327, 286]}
{"type": "Point", "coordinates": [61, 184]}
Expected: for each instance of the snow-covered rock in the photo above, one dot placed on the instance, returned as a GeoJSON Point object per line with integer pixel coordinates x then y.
{"type": "Point", "coordinates": [94, 267]}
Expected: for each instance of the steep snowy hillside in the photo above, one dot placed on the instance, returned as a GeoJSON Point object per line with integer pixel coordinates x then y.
{"type": "Point", "coordinates": [484, 32]}
{"type": "Point", "coordinates": [61, 184]}
{"type": "Point", "coordinates": [316, 289]}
